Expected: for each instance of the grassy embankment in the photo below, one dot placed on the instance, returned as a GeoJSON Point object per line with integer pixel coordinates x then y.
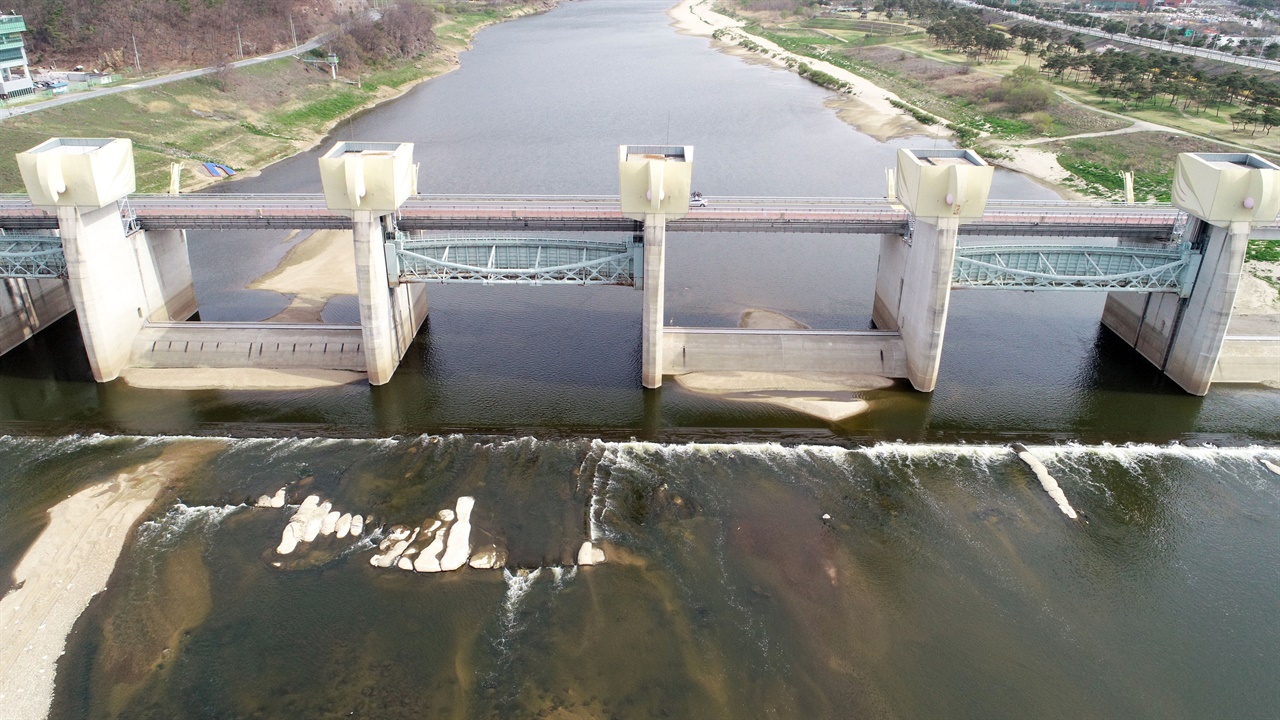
{"type": "Point", "coordinates": [943, 86]}
{"type": "Point", "coordinates": [246, 118]}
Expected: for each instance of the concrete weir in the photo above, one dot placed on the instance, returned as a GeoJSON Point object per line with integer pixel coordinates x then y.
{"type": "Point", "coordinates": [686, 350]}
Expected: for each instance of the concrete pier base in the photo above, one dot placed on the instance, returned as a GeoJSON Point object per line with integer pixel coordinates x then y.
{"type": "Point", "coordinates": [1184, 336]}
{"type": "Point", "coordinates": [389, 315]}
{"type": "Point", "coordinates": [872, 352]}
{"type": "Point", "coordinates": [27, 306]}
{"type": "Point", "coordinates": [913, 293]}
{"type": "Point", "coordinates": [653, 286]}
{"type": "Point", "coordinates": [1248, 359]}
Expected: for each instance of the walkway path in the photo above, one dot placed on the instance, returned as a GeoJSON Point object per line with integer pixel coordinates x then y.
{"type": "Point", "coordinates": [162, 80]}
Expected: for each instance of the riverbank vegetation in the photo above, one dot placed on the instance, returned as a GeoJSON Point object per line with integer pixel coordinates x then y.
{"type": "Point", "coordinates": [1003, 85]}
{"type": "Point", "coordinates": [249, 117]}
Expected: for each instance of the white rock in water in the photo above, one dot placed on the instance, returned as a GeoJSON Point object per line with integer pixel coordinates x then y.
{"type": "Point", "coordinates": [343, 526]}
{"type": "Point", "coordinates": [288, 540]}
{"type": "Point", "coordinates": [434, 526]}
{"type": "Point", "coordinates": [589, 554]}
{"type": "Point", "coordinates": [330, 523]}
{"type": "Point", "coordinates": [314, 519]}
{"type": "Point", "coordinates": [310, 503]}
{"type": "Point", "coordinates": [445, 515]}
{"type": "Point", "coordinates": [458, 545]}
{"type": "Point", "coordinates": [277, 500]}
{"type": "Point", "coordinates": [386, 544]}
{"type": "Point", "coordinates": [405, 564]}
{"type": "Point", "coordinates": [264, 501]}
{"type": "Point", "coordinates": [1271, 466]}
{"type": "Point", "coordinates": [488, 558]}
{"type": "Point", "coordinates": [429, 559]}
{"type": "Point", "coordinates": [399, 532]}
{"type": "Point", "coordinates": [357, 525]}
{"type": "Point", "coordinates": [1046, 480]}
{"type": "Point", "coordinates": [383, 561]}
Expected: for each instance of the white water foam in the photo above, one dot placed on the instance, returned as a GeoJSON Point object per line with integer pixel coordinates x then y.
{"type": "Point", "coordinates": [519, 584]}
{"type": "Point", "coordinates": [165, 531]}
{"type": "Point", "coordinates": [562, 575]}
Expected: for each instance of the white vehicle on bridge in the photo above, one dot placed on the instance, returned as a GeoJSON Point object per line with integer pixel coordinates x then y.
{"type": "Point", "coordinates": [696, 200]}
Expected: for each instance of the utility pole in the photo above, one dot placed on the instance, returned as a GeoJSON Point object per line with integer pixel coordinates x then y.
{"type": "Point", "coordinates": [293, 32]}
{"type": "Point", "coordinates": [137, 61]}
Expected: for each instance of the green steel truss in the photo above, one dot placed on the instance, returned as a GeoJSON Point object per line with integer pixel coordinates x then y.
{"type": "Point", "coordinates": [513, 260]}
{"type": "Point", "coordinates": [32, 257]}
{"type": "Point", "coordinates": [1074, 267]}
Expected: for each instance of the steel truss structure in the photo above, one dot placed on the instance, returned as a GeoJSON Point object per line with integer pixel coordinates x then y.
{"type": "Point", "coordinates": [33, 257]}
{"type": "Point", "coordinates": [1068, 267]}
{"type": "Point", "coordinates": [513, 260]}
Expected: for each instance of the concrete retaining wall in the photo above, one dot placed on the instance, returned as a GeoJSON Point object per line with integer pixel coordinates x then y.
{"type": "Point", "coordinates": [728, 349]}
{"type": "Point", "coordinates": [249, 345]}
{"type": "Point", "coordinates": [1248, 360]}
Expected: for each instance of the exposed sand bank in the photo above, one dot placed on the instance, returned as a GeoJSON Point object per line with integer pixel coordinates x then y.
{"type": "Point", "coordinates": [868, 108]}
{"type": "Point", "coordinates": [66, 566]}
{"type": "Point", "coordinates": [237, 378]}
{"type": "Point", "coordinates": [315, 270]}
{"type": "Point", "coordinates": [769, 320]}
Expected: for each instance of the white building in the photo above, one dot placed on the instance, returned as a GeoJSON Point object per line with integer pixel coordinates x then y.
{"type": "Point", "coordinates": [15, 77]}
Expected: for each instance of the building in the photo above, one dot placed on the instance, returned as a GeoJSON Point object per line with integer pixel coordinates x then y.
{"type": "Point", "coordinates": [15, 77]}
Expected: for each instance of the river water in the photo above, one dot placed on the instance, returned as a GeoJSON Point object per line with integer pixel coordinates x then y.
{"type": "Point", "coordinates": [761, 563]}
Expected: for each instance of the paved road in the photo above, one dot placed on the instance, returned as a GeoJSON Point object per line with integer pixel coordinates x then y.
{"type": "Point", "coordinates": [1218, 55]}
{"type": "Point", "coordinates": [77, 97]}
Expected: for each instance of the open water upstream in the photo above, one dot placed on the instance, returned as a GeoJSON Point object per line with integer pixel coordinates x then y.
{"type": "Point", "coordinates": [761, 563]}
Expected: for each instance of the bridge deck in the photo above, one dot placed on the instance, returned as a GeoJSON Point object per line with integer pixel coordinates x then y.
{"type": "Point", "coordinates": [601, 213]}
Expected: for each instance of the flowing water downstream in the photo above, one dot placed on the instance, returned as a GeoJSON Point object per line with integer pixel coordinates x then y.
{"type": "Point", "coordinates": [760, 563]}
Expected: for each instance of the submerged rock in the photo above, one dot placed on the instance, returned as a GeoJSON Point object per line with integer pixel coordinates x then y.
{"type": "Point", "coordinates": [488, 557]}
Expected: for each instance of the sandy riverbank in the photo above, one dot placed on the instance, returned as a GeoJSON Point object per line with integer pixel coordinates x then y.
{"type": "Point", "coordinates": [69, 563]}
{"type": "Point", "coordinates": [314, 271]}
{"type": "Point", "coordinates": [868, 108]}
